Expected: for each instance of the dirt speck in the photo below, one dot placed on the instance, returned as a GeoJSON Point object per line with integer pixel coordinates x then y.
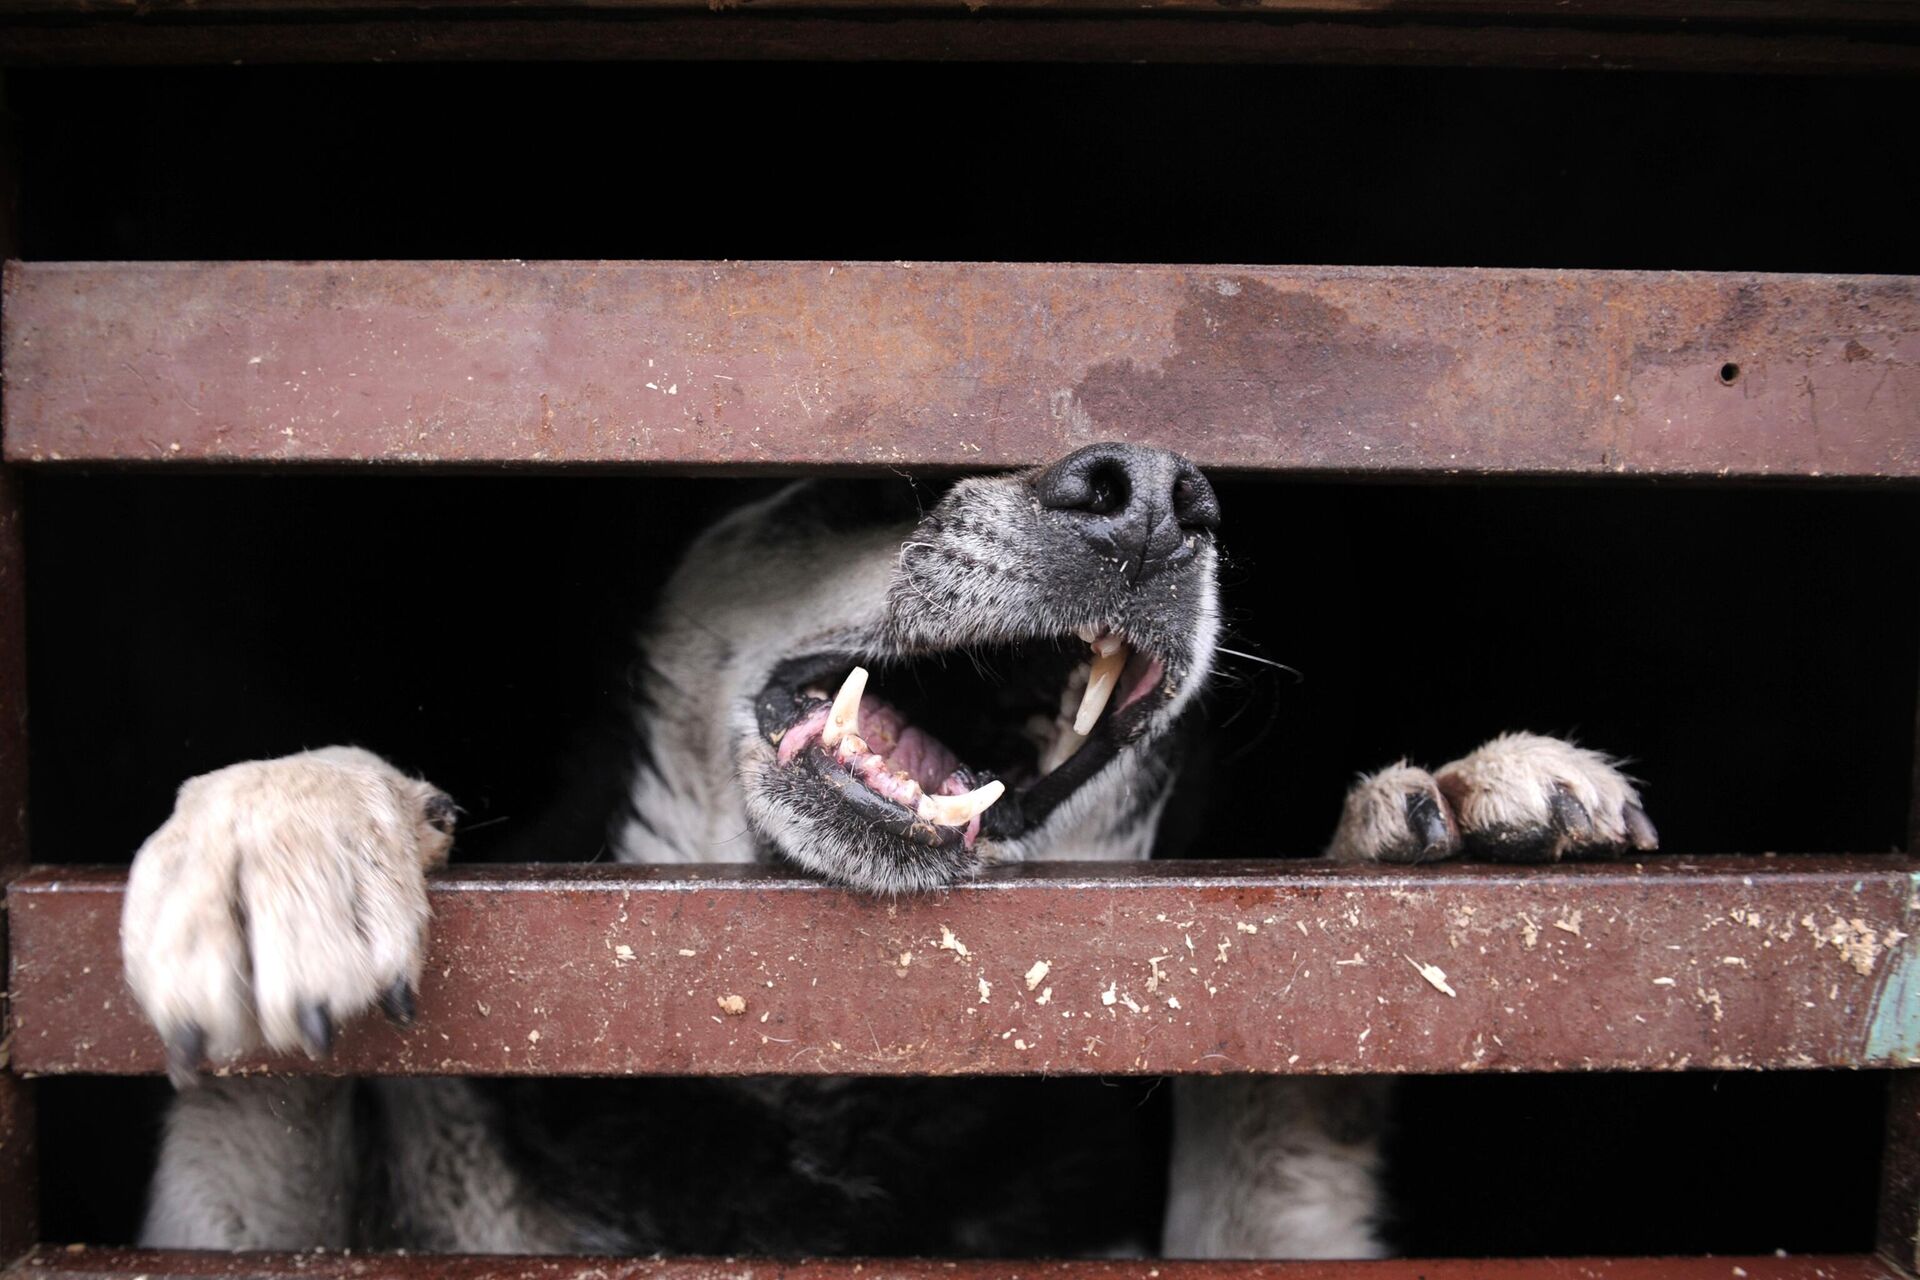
{"type": "Point", "coordinates": [1435, 975]}
{"type": "Point", "coordinates": [732, 1006]}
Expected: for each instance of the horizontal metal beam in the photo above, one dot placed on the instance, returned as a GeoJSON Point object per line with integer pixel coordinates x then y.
{"type": "Point", "coordinates": [55, 1263]}
{"type": "Point", "coordinates": [1756, 36]}
{"type": "Point", "coordinates": [1163, 968]}
{"type": "Point", "coordinates": [1339, 371]}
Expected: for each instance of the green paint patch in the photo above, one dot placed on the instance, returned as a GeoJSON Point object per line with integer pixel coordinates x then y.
{"type": "Point", "coordinates": [1893, 1034]}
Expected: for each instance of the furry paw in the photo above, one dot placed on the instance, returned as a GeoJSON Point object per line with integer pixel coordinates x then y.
{"type": "Point", "coordinates": [1396, 815]}
{"type": "Point", "coordinates": [1520, 798]}
{"type": "Point", "coordinates": [281, 898]}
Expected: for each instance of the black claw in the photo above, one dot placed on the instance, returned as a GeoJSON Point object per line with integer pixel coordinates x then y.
{"type": "Point", "coordinates": [186, 1050]}
{"type": "Point", "coordinates": [1640, 832]}
{"type": "Point", "coordinates": [316, 1030]}
{"type": "Point", "coordinates": [397, 1001]}
{"type": "Point", "coordinates": [1427, 821]}
{"type": "Point", "coordinates": [1569, 815]}
{"type": "Point", "coordinates": [441, 811]}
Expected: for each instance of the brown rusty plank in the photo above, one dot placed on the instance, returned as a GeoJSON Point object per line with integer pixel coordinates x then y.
{"type": "Point", "coordinates": [119, 1264]}
{"type": "Point", "coordinates": [1346, 371]}
{"type": "Point", "coordinates": [1799, 13]}
{"type": "Point", "coordinates": [1899, 1231]}
{"type": "Point", "coordinates": [1175, 968]}
{"type": "Point", "coordinates": [19, 1193]}
{"type": "Point", "coordinates": [1322, 37]}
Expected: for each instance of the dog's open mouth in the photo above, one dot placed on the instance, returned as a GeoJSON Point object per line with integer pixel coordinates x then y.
{"type": "Point", "coordinates": [941, 748]}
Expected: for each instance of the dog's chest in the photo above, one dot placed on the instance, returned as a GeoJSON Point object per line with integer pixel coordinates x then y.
{"type": "Point", "coordinates": [982, 1167]}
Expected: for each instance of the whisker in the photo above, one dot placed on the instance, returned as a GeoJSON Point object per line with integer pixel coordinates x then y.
{"type": "Point", "coordinates": [1269, 662]}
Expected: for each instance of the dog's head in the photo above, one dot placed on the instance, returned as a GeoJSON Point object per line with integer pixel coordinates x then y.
{"type": "Point", "coordinates": [899, 694]}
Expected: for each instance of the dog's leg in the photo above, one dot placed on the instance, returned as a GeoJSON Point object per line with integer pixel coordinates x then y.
{"type": "Point", "coordinates": [1275, 1167]}
{"type": "Point", "coordinates": [255, 1164]}
{"type": "Point", "coordinates": [1520, 798]}
{"type": "Point", "coordinates": [280, 898]}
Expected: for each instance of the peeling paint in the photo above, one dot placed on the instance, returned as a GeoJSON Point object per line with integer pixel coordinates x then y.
{"type": "Point", "coordinates": [1893, 1032]}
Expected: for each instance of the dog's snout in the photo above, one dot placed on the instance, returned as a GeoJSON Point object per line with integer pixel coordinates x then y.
{"type": "Point", "coordinates": [1149, 508]}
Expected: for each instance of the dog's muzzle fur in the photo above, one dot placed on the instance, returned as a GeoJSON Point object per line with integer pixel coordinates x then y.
{"type": "Point", "coordinates": [907, 694]}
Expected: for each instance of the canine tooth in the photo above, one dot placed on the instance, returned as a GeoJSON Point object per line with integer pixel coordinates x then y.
{"type": "Point", "coordinates": [1088, 634]}
{"type": "Point", "coordinates": [958, 811]}
{"type": "Point", "coordinates": [1063, 749]}
{"type": "Point", "coordinates": [845, 716]}
{"type": "Point", "coordinates": [1100, 682]}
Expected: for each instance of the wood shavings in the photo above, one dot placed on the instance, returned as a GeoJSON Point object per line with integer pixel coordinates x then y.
{"type": "Point", "coordinates": [533, 1037]}
{"type": "Point", "coordinates": [1038, 974]}
{"type": "Point", "coordinates": [1128, 1001]}
{"type": "Point", "coordinates": [1046, 994]}
{"type": "Point", "coordinates": [1663, 982]}
{"type": "Point", "coordinates": [685, 951]}
{"type": "Point", "coordinates": [1569, 924]}
{"type": "Point", "coordinates": [732, 1006]}
{"type": "Point", "coordinates": [950, 943]}
{"type": "Point", "coordinates": [1111, 994]}
{"type": "Point", "coordinates": [986, 990]}
{"type": "Point", "coordinates": [1529, 932]}
{"type": "Point", "coordinates": [1244, 927]}
{"type": "Point", "coordinates": [1434, 974]}
{"type": "Point", "coordinates": [1853, 939]}
{"type": "Point", "coordinates": [623, 953]}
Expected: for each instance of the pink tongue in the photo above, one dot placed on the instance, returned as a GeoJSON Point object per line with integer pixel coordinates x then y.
{"type": "Point", "coordinates": [905, 748]}
{"type": "Point", "coordinates": [924, 757]}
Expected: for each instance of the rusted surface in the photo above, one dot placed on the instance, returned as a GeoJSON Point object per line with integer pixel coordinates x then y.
{"type": "Point", "coordinates": [1738, 13]}
{"type": "Point", "coordinates": [1318, 370]}
{"type": "Point", "coordinates": [119, 1264]}
{"type": "Point", "coordinates": [1899, 1234]}
{"type": "Point", "coordinates": [1208, 31]}
{"type": "Point", "coordinates": [1193, 968]}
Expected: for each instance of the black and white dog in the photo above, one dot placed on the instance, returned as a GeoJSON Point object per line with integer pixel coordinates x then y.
{"type": "Point", "coordinates": [891, 698]}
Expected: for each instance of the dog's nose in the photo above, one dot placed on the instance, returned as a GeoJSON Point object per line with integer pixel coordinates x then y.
{"type": "Point", "coordinates": [1150, 509]}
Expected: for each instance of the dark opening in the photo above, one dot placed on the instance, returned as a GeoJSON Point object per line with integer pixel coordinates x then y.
{"type": "Point", "coordinates": [1751, 650]}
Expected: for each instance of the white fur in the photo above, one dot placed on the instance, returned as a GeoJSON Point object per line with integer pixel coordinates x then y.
{"type": "Point", "coordinates": [277, 884]}
{"type": "Point", "coordinates": [1261, 1170]}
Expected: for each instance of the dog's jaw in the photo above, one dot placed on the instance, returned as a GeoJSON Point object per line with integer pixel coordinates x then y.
{"type": "Point", "coordinates": [774, 610]}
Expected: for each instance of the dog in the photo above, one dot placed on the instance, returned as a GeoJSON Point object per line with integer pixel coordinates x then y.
{"type": "Point", "coordinates": [891, 688]}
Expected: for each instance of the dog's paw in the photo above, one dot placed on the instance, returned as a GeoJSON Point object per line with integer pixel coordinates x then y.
{"type": "Point", "coordinates": [1395, 815]}
{"type": "Point", "coordinates": [281, 898]}
{"type": "Point", "coordinates": [1520, 798]}
{"type": "Point", "coordinates": [1527, 798]}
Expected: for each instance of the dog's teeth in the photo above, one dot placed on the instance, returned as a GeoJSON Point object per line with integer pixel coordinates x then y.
{"type": "Point", "coordinates": [1107, 645]}
{"type": "Point", "coordinates": [1088, 634]}
{"type": "Point", "coordinates": [845, 716]}
{"type": "Point", "coordinates": [1065, 743]}
{"type": "Point", "coordinates": [851, 747]}
{"type": "Point", "coordinates": [1100, 682]}
{"type": "Point", "coordinates": [958, 811]}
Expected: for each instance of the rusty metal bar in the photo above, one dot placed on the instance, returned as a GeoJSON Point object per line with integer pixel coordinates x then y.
{"type": "Point", "coordinates": [1336, 371]}
{"type": "Point", "coordinates": [1899, 1234]}
{"type": "Point", "coordinates": [19, 1166]}
{"type": "Point", "coordinates": [1174, 968]}
{"type": "Point", "coordinates": [1326, 35]}
{"type": "Point", "coordinates": [1739, 13]}
{"type": "Point", "coordinates": [118, 1264]}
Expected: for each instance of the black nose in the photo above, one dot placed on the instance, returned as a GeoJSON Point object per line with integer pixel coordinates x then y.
{"type": "Point", "coordinates": [1150, 509]}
